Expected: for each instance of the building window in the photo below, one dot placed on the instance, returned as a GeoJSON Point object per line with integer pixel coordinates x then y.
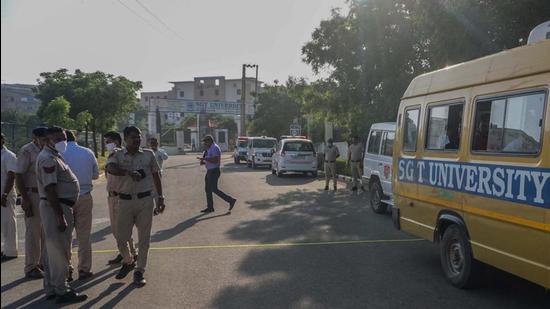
{"type": "Point", "coordinates": [201, 81]}
{"type": "Point", "coordinates": [146, 98]}
{"type": "Point", "coordinates": [201, 93]}
{"type": "Point", "coordinates": [234, 85]}
{"type": "Point", "coordinates": [217, 82]}
{"type": "Point", "coordinates": [166, 97]}
{"type": "Point", "coordinates": [511, 124]}
{"type": "Point", "coordinates": [182, 94]}
{"type": "Point", "coordinates": [238, 91]}
{"type": "Point", "coordinates": [217, 91]}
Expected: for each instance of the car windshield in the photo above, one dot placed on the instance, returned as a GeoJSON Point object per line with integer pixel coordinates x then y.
{"type": "Point", "coordinates": [243, 144]}
{"type": "Point", "coordinates": [263, 143]}
{"type": "Point", "coordinates": [298, 146]}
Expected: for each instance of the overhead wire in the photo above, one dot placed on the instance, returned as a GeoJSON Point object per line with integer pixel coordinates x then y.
{"type": "Point", "coordinates": [160, 20]}
{"type": "Point", "coordinates": [141, 17]}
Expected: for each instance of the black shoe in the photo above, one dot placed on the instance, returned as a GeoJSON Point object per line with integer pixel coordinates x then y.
{"type": "Point", "coordinates": [326, 188]}
{"type": "Point", "coordinates": [232, 204]}
{"type": "Point", "coordinates": [354, 189]}
{"type": "Point", "coordinates": [207, 210]}
{"type": "Point", "coordinates": [71, 297]}
{"type": "Point", "coordinates": [83, 275]}
{"type": "Point", "coordinates": [135, 258]}
{"type": "Point", "coordinates": [335, 188]}
{"type": "Point", "coordinates": [125, 270]}
{"type": "Point", "coordinates": [117, 260]}
{"type": "Point", "coordinates": [138, 278]}
{"type": "Point", "coordinates": [35, 273]}
{"type": "Point", "coordinates": [70, 276]}
{"type": "Point", "coordinates": [50, 296]}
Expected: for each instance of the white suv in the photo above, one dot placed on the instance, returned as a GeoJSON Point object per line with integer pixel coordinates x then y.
{"type": "Point", "coordinates": [378, 165]}
{"type": "Point", "coordinates": [260, 150]}
{"type": "Point", "coordinates": [295, 155]}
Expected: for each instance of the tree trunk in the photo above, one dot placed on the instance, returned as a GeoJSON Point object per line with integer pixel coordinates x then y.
{"type": "Point", "coordinates": [94, 139]}
{"type": "Point", "coordinates": [86, 138]}
{"type": "Point", "coordinates": [102, 145]}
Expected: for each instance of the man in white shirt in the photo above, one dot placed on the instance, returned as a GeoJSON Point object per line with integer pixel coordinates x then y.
{"type": "Point", "coordinates": [160, 154]}
{"type": "Point", "coordinates": [9, 224]}
{"type": "Point", "coordinates": [84, 165]}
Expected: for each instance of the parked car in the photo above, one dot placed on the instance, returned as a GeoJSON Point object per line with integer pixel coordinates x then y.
{"type": "Point", "coordinates": [260, 150]}
{"type": "Point", "coordinates": [295, 155]}
{"type": "Point", "coordinates": [240, 149]}
{"type": "Point", "coordinates": [377, 165]}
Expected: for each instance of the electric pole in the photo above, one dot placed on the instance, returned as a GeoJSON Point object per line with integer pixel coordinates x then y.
{"type": "Point", "coordinates": [243, 96]}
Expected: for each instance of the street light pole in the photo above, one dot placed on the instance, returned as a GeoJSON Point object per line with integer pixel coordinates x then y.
{"type": "Point", "coordinates": [243, 95]}
{"type": "Point", "coordinates": [243, 98]}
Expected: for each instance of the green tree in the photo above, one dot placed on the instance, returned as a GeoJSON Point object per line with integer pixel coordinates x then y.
{"type": "Point", "coordinates": [107, 98]}
{"type": "Point", "coordinates": [278, 106]}
{"type": "Point", "coordinates": [57, 113]}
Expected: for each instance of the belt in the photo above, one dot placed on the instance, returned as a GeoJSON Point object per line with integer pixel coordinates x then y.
{"type": "Point", "coordinates": [32, 189]}
{"type": "Point", "coordinates": [65, 201]}
{"type": "Point", "coordinates": [124, 196]}
{"type": "Point", "coordinates": [355, 161]}
{"type": "Point", "coordinates": [113, 193]}
{"type": "Point", "coordinates": [330, 161]}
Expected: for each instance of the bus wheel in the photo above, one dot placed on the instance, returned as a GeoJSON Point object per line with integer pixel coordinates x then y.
{"type": "Point", "coordinates": [376, 203]}
{"type": "Point", "coordinates": [459, 265]}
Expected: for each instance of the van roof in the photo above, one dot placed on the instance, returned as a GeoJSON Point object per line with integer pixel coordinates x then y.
{"type": "Point", "coordinates": [521, 61]}
{"type": "Point", "coordinates": [387, 126]}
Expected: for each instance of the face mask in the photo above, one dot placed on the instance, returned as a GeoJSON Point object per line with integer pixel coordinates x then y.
{"type": "Point", "coordinates": [61, 146]}
{"type": "Point", "coordinates": [110, 147]}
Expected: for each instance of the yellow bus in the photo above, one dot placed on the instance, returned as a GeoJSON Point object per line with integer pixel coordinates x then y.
{"type": "Point", "coordinates": [472, 164]}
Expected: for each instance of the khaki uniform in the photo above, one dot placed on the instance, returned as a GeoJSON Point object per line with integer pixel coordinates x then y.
{"type": "Point", "coordinates": [9, 223]}
{"type": "Point", "coordinates": [331, 153]}
{"type": "Point", "coordinates": [113, 187]}
{"type": "Point", "coordinates": [356, 156]}
{"type": "Point", "coordinates": [51, 169]}
{"type": "Point", "coordinates": [135, 202]}
{"type": "Point", "coordinates": [34, 237]}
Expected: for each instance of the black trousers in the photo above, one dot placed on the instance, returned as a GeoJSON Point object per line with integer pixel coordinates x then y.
{"type": "Point", "coordinates": [211, 186]}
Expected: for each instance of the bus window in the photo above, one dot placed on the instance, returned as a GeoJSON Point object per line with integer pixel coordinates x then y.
{"type": "Point", "coordinates": [444, 127]}
{"type": "Point", "coordinates": [410, 129]}
{"type": "Point", "coordinates": [509, 125]}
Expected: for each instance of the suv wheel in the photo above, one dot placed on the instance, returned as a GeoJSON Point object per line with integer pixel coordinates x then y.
{"type": "Point", "coordinates": [457, 261]}
{"type": "Point", "coordinates": [375, 200]}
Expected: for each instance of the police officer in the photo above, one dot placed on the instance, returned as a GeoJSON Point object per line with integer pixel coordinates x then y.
{"type": "Point", "coordinates": [331, 154]}
{"type": "Point", "coordinates": [355, 158]}
{"type": "Point", "coordinates": [9, 223]}
{"type": "Point", "coordinates": [58, 189]}
{"type": "Point", "coordinates": [113, 143]}
{"type": "Point", "coordinates": [25, 178]}
{"type": "Point", "coordinates": [138, 170]}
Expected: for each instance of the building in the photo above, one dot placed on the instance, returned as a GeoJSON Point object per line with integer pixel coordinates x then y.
{"type": "Point", "coordinates": [19, 97]}
{"type": "Point", "coordinates": [209, 94]}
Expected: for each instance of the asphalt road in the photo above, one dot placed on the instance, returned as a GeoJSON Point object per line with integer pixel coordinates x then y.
{"type": "Point", "coordinates": [287, 244]}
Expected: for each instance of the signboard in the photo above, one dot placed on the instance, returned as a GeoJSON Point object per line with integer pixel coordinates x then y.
{"type": "Point", "coordinates": [295, 129]}
{"type": "Point", "coordinates": [207, 107]}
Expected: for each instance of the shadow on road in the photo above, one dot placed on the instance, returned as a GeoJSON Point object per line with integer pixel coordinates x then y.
{"type": "Point", "coordinates": [369, 275]}
{"type": "Point", "coordinates": [181, 227]}
{"type": "Point", "coordinates": [289, 179]}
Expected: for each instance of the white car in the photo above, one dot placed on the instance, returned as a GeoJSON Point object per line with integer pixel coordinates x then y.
{"type": "Point", "coordinates": [378, 165]}
{"type": "Point", "coordinates": [260, 150]}
{"type": "Point", "coordinates": [295, 155]}
{"type": "Point", "coordinates": [240, 150]}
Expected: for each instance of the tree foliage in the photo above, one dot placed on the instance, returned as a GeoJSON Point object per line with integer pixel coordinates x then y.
{"type": "Point", "coordinates": [57, 113]}
{"type": "Point", "coordinates": [373, 52]}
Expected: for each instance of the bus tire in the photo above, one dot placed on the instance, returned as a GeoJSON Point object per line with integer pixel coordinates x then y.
{"type": "Point", "coordinates": [457, 260]}
{"type": "Point", "coordinates": [375, 199]}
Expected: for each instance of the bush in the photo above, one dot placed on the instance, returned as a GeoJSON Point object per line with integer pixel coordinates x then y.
{"type": "Point", "coordinates": [341, 168]}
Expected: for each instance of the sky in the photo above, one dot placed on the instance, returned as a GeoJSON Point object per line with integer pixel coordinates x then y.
{"type": "Point", "coordinates": [157, 41]}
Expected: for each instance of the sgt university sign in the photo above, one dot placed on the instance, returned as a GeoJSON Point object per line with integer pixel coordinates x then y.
{"type": "Point", "coordinates": [512, 183]}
